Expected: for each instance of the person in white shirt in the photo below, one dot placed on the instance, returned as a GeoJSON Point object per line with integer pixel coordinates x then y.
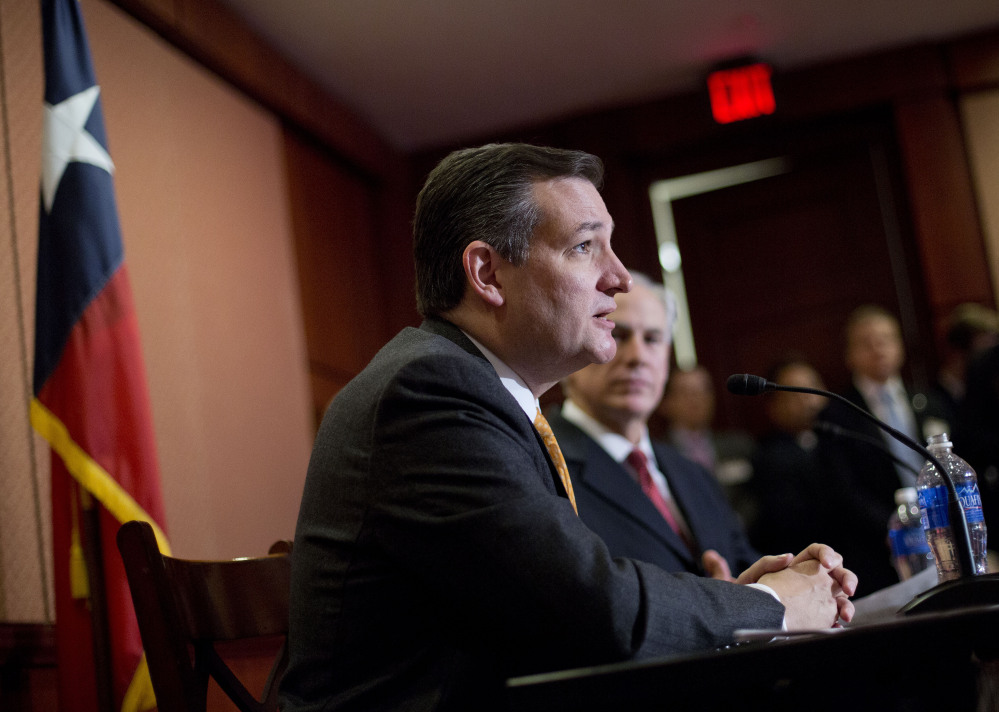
{"type": "Point", "coordinates": [875, 354]}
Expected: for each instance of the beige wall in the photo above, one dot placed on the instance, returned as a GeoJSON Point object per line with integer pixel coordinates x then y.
{"type": "Point", "coordinates": [980, 115]}
{"type": "Point", "coordinates": [202, 197]}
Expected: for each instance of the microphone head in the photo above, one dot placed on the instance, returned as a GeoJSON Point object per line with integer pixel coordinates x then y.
{"type": "Point", "coordinates": [746, 384]}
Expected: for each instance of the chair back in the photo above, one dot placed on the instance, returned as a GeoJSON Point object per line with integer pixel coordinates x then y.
{"type": "Point", "coordinates": [185, 609]}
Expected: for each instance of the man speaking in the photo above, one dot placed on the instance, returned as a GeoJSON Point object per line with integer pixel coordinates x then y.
{"type": "Point", "coordinates": [438, 550]}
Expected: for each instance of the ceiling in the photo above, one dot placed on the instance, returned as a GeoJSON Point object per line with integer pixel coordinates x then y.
{"type": "Point", "coordinates": [429, 72]}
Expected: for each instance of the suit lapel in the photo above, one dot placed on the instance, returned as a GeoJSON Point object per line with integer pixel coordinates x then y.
{"type": "Point", "coordinates": [591, 467]}
{"type": "Point", "coordinates": [451, 332]}
{"type": "Point", "coordinates": [684, 492]}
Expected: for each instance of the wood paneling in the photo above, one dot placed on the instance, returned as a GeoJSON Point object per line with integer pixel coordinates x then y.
{"type": "Point", "coordinates": [944, 212]}
{"type": "Point", "coordinates": [343, 250]}
{"type": "Point", "coordinates": [775, 265]}
{"type": "Point", "coordinates": [974, 62]}
{"type": "Point", "coordinates": [28, 680]}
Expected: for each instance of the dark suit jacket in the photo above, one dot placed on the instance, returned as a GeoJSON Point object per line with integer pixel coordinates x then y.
{"type": "Point", "coordinates": [435, 556]}
{"type": "Point", "coordinates": [804, 495]}
{"type": "Point", "coordinates": [612, 504]}
{"type": "Point", "coordinates": [975, 437]}
{"type": "Point", "coordinates": [874, 470]}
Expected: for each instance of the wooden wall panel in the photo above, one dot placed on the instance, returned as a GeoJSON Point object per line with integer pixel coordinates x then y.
{"type": "Point", "coordinates": [335, 222]}
{"type": "Point", "coordinates": [974, 62]}
{"type": "Point", "coordinates": [945, 215]}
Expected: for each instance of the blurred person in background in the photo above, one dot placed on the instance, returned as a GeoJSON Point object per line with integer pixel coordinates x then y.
{"type": "Point", "coordinates": [971, 330]}
{"type": "Point", "coordinates": [976, 437]}
{"type": "Point", "coordinates": [801, 483]}
{"type": "Point", "coordinates": [874, 354]}
{"type": "Point", "coordinates": [688, 407]}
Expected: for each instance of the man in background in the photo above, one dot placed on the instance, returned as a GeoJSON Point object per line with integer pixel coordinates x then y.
{"type": "Point", "coordinates": [874, 355]}
{"type": "Point", "coordinates": [688, 406]}
{"type": "Point", "coordinates": [971, 330]}
{"type": "Point", "coordinates": [438, 551]}
{"type": "Point", "coordinates": [801, 489]}
{"type": "Point", "coordinates": [977, 435]}
{"type": "Point", "coordinates": [643, 498]}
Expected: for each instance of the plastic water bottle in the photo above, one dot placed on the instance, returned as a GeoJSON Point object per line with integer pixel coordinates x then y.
{"type": "Point", "coordinates": [910, 553]}
{"type": "Point", "coordinates": [932, 492]}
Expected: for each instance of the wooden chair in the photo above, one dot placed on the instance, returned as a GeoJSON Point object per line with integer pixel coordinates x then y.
{"type": "Point", "coordinates": [186, 608]}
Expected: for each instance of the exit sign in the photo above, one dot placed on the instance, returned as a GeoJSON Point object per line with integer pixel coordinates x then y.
{"type": "Point", "coordinates": [741, 93]}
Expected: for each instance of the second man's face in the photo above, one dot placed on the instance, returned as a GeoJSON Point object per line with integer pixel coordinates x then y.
{"type": "Point", "coordinates": [629, 387]}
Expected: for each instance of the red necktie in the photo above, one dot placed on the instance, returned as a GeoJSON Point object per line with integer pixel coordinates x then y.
{"type": "Point", "coordinates": [636, 458]}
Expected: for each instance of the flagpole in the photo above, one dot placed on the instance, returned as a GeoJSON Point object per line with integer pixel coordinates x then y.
{"type": "Point", "coordinates": [97, 599]}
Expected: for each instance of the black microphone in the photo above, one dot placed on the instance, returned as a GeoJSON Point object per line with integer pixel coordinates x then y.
{"type": "Point", "coordinates": [824, 426]}
{"type": "Point", "coordinates": [745, 384]}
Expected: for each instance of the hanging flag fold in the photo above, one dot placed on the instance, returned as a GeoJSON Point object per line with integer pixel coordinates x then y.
{"type": "Point", "coordinates": [90, 400]}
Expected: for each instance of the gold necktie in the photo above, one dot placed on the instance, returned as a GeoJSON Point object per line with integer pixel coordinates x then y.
{"type": "Point", "coordinates": [545, 430]}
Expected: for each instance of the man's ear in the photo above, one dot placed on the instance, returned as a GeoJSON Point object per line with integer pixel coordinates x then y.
{"type": "Point", "coordinates": [481, 262]}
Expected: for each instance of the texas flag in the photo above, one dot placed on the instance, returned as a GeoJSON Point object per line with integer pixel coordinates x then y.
{"type": "Point", "coordinates": [90, 399]}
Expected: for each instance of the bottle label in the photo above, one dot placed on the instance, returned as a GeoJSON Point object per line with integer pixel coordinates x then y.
{"type": "Point", "coordinates": [971, 502]}
{"type": "Point", "coordinates": [914, 541]}
{"type": "Point", "coordinates": [933, 505]}
{"type": "Point", "coordinates": [897, 542]}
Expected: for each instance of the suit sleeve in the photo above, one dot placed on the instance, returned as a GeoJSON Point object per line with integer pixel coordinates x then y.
{"type": "Point", "coordinates": [464, 504]}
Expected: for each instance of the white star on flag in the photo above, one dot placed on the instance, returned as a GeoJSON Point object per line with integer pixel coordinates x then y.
{"type": "Point", "coordinates": [64, 140]}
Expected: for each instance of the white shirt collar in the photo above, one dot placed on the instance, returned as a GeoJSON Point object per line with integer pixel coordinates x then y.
{"type": "Point", "coordinates": [617, 446]}
{"type": "Point", "coordinates": [871, 390]}
{"type": "Point", "coordinates": [510, 380]}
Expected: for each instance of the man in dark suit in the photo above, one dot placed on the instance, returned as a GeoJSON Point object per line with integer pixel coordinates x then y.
{"type": "Point", "coordinates": [874, 355]}
{"type": "Point", "coordinates": [604, 420]}
{"type": "Point", "coordinates": [438, 550]}
{"type": "Point", "coordinates": [795, 470]}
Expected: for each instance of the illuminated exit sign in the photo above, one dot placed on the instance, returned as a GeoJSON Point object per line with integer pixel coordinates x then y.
{"type": "Point", "coordinates": [741, 93]}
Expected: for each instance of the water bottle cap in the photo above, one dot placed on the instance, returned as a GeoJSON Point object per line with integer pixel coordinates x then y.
{"type": "Point", "coordinates": [939, 439]}
{"type": "Point", "coordinates": [903, 495]}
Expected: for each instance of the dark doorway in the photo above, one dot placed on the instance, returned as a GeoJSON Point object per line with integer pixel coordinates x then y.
{"type": "Point", "coordinates": [775, 265]}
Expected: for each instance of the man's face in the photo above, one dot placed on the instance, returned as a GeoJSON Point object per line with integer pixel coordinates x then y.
{"type": "Point", "coordinates": [796, 412]}
{"type": "Point", "coordinates": [554, 315]}
{"type": "Point", "coordinates": [690, 402]}
{"type": "Point", "coordinates": [628, 388]}
{"type": "Point", "coordinates": [874, 349]}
